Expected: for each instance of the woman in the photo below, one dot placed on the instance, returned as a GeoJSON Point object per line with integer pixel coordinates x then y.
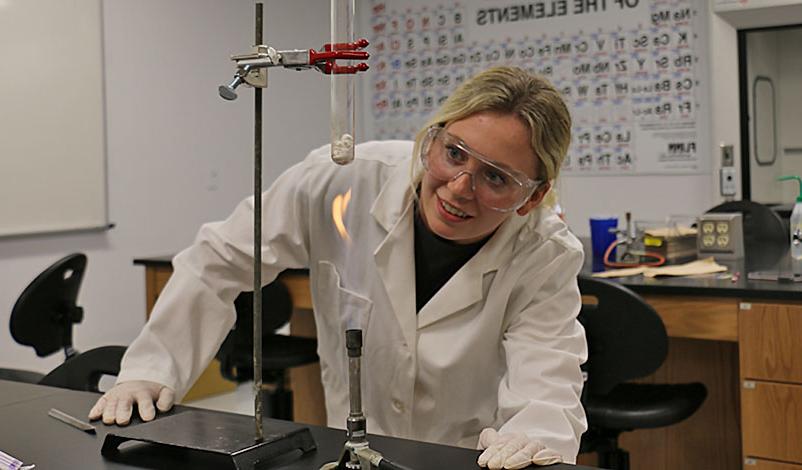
{"type": "Point", "coordinates": [462, 279]}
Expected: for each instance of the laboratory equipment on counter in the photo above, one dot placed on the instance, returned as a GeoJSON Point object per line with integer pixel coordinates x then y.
{"type": "Point", "coordinates": [796, 222]}
{"type": "Point", "coordinates": [674, 239]}
{"type": "Point", "coordinates": [234, 436]}
{"type": "Point", "coordinates": [252, 70]}
{"type": "Point", "coordinates": [632, 253]}
{"type": "Point", "coordinates": [356, 453]}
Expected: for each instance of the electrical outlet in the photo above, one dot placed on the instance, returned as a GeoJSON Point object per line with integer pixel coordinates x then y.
{"type": "Point", "coordinates": [720, 235]}
{"type": "Point", "coordinates": [727, 181]}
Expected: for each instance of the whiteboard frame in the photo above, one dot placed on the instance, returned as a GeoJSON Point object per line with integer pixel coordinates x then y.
{"type": "Point", "coordinates": [54, 154]}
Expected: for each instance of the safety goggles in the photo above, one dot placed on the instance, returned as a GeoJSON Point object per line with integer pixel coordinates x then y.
{"type": "Point", "coordinates": [496, 186]}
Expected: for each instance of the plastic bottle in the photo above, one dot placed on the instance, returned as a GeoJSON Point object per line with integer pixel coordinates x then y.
{"type": "Point", "coordinates": [796, 221]}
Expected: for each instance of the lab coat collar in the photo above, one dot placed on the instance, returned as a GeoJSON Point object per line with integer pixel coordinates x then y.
{"type": "Point", "coordinates": [395, 197]}
{"type": "Point", "coordinates": [395, 257]}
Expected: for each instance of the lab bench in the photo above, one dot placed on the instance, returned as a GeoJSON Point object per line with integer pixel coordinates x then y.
{"type": "Point", "coordinates": [739, 337]}
{"type": "Point", "coordinates": [30, 435]}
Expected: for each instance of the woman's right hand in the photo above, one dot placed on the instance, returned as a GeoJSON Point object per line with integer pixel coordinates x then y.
{"type": "Point", "coordinates": [116, 405]}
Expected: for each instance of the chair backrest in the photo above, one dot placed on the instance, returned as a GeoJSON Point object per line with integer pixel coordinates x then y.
{"type": "Point", "coordinates": [83, 371]}
{"type": "Point", "coordinates": [236, 352]}
{"type": "Point", "coordinates": [44, 313]}
{"type": "Point", "coordinates": [626, 338]}
{"type": "Point", "coordinates": [762, 226]}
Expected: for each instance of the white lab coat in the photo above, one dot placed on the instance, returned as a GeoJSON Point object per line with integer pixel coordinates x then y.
{"type": "Point", "coordinates": [498, 346]}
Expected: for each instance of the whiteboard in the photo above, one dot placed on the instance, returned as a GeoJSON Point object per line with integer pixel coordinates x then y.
{"type": "Point", "coordinates": [631, 71]}
{"type": "Point", "coordinates": [52, 132]}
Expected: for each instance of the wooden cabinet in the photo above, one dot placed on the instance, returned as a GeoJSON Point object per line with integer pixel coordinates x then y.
{"type": "Point", "coordinates": [771, 339]}
{"type": "Point", "coordinates": [772, 420]}
{"type": "Point", "coordinates": [697, 317]}
{"type": "Point", "coordinates": [771, 379]}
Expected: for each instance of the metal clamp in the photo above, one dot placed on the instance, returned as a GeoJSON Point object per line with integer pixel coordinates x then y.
{"type": "Point", "coordinates": [251, 67]}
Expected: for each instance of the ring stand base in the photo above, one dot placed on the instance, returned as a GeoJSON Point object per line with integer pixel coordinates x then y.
{"type": "Point", "coordinates": [216, 435]}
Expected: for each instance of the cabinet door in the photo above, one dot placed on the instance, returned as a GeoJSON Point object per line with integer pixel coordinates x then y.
{"type": "Point", "coordinates": [757, 464]}
{"type": "Point", "coordinates": [772, 421]}
{"type": "Point", "coordinates": [770, 337]}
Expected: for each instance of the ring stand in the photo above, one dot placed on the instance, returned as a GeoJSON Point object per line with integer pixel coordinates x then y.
{"type": "Point", "coordinates": [212, 433]}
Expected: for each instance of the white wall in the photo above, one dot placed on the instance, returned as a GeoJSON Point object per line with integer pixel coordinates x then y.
{"type": "Point", "coordinates": [178, 155]}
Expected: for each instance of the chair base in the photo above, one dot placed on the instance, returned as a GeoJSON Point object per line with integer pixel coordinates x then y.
{"type": "Point", "coordinates": [277, 404]}
{"type": "Point", "coordinates": [614, 459]}
{"type": "Point", "coordinates": [604, 443]}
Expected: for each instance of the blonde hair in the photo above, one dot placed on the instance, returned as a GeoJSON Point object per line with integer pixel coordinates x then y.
{"type": "Point", "coordinates": [510, 90]}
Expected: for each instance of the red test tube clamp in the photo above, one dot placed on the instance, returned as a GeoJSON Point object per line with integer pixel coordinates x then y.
{"type": "Point", "coordinates": [326, 60]}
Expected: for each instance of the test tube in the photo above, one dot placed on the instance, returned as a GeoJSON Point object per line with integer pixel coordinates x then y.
{"type": "Point", "coordinates": [342, 86]}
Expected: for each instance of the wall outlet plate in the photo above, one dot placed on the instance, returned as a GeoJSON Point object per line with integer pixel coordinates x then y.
{"type": "Point", "coordinates": [720, 235]}
{"type": "Point", "coordinates": [728, 185]}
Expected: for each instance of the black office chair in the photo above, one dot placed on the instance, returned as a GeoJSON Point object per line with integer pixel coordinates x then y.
{"type": "Point", "coordinates": [83, 371]}
{"type": "Point", "coordinates": [626, 340]}
{"type": "Point", "coordinates": [45, 312]}
{"type": "Point", "coordinates": [279, 352]}
{"type": "Point", "coordinates": [764, 231]}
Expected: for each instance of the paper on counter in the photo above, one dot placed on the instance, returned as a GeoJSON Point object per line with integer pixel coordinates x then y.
{"type": "Point", "coordinates": [624, 272]}
{"type": "Point", "coordinates": [8, 462]}
{"type": "Point", "coordinates": [700, 266]}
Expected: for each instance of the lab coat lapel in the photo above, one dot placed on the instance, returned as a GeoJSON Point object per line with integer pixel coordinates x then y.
{"type": "Point", "coordinates": [465, 286]}
{"type": "Point", "coordinates": [395, 255]}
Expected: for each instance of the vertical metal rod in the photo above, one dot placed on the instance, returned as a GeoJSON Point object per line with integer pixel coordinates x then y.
{"type": "Point", "coordinates": [257, 245]}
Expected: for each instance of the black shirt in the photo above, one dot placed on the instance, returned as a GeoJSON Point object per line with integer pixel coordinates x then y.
{"type": "Point", "coordinates": [436, 260]}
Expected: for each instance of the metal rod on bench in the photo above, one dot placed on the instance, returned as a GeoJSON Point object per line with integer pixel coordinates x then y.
{"type": "Point", "coordinates": [257, 246]}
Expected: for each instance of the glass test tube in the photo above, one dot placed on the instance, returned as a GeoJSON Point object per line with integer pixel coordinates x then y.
{"type": "Point", "coordinates": [342, 86]}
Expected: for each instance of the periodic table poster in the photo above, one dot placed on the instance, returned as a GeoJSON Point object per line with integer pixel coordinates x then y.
{"type": "Point", "coordinates": [631, 71]}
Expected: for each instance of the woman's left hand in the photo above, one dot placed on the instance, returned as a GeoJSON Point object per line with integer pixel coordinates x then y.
{"type": "Point", "coordinates": [512, 451]}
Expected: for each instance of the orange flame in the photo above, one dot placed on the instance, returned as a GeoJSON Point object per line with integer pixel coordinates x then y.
{"type": "Point", "coordinates": [338, 208]}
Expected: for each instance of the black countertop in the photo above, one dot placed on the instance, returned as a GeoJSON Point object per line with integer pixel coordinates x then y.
{"type": "Point", "coordinates": [162, 260]}
{"type": "Point", "coordinates": [30, 435]}
{"type": "Point", "coordinates": [166, 261]}
{"type": "Point", "coordinates": [766, 259]}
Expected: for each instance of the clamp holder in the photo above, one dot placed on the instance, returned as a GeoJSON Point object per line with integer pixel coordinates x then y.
{"type": "Point", "coordinates": [250, 66]}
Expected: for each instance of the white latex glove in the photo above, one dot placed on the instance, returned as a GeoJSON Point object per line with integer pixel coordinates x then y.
{"type": "Point", "coordinates": [512, 451]}
{"type": "Point", "coordinates": [116, 405]}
